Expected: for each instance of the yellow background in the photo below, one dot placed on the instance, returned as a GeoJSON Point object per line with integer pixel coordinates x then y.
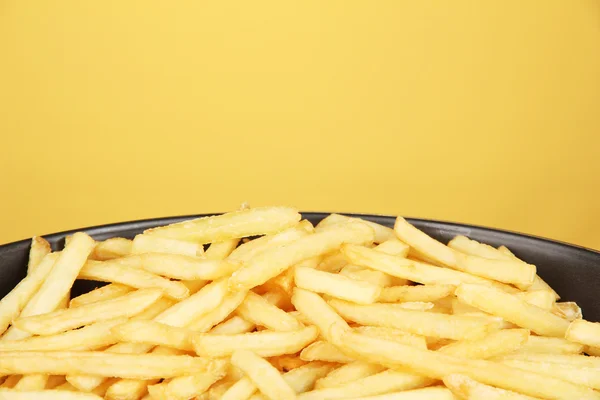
{"type": "Point", "coordinates": [485, 112]}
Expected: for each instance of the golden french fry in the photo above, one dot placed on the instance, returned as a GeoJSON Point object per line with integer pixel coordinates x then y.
{"type": "Point", "coordinates": [111, 248]}
{"type": "Point", "coordinates": [154, 333]}
{"type": "Point", "coordinates": [133, 366]}
{"type": "Point", "coordinates": [543, 299]}
{"type": "Point", "coordinates": [414, 270]}
{"type": "Point", "coordinates": [324, 351]}
{"type": "Point", "coordinates": [153, 244]}
{"type": "Point", "coordinates": [584, 332]}
{"type": "Point", "coordinates": [417, 322]}
{"type": "Point", "coordinates": [233, 325]}
{"type": "Point", "coordinates": [12, 304]}
{"type": "Point", "coordinates": [379, 383]}
{"type": "Point", "coordinates": [333, 262]}
{"type": "Point", "coordinates": [348, 373]}
{"type": "Point", "coordinates": [469, 389]}
{"type": "Point", "coordinates": [468, 246]}
{"type": "Point", "coordinates": [259, 311]}
{"type": "Point", "coordinates": [263, 343]}
{"type": "Point", "coordinates": [558, 359]}
{"type": "Point", "coordinates": [393, 247]}
{"type": "Point", "coordinates": [110, 271]}
{"type": "Point", "coordinates": [415, 293]}
{"type": "Point", "coordinates": [542, 344]}
{"type": "Point", "coordinates": [430, 393]}
{"type": "Point", "coordinates": [337, 285]}
{"type": "Point", "coordinates": [424, 243]}
{"type": "Point", "coordinates": [571, 373]}
{"type": "Point", "coordinates": [273, 262]}
{"type": "Point", "coordinates": [437, 365]}
{"type": "Point", "coordinates": [71, 318]}
{"type": "Point", "coordinates": [382, 233]}
{"type": "Point", "coordinates": [238, 224]}
{"type": "Point", "coordinates": [11, 394]}
{"type": "Point", "coordinates": [90, 337]}
{"type": "Point", "coordinates": [186, 387]}
{"type": "Point", "coordinates": [568, 310]}
{"type": "Point", "coordinates": [507, 271]}
{"type": "Point", "coordinates": [367, 275]}
{"type": "Point", "coordinates": [512, 309]}
{"type": "Point", "coordinates": [496, 343]}
{"type": "Point", "coordinates": [57, 283]}
{"type": "Point", "coordinates": [221, 250]}
{"type": "Point", "coordinates": [268, 380]}
{"type": "Point", "coordinates": [207, 321]}
{"type": "Point", "coordinates": [39, 249]}
{"type": "Point", "coordinates": [394, 335]}
{"type": "Point", "coordinates": [106, 292]}
{"type": "Point", "coordinates": [317, 311]}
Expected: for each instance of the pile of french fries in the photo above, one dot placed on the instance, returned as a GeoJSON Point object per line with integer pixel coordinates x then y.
{"type": "Point", "coordinates": [260, 304]}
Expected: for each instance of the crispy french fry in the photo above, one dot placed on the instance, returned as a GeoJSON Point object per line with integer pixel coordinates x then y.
{"type": "Point", "coordinates": [146, 244]}
{"type": "Point", "coordinates": [90, 337]}
{"type": "Point", "coordinates": [393, 247]}
{"type": "Point", "coordinates": [317, 311]}
{"type": "Point", "coordinates": [542, 344]}
{"type": "Point", "coordinates": [512, 309]}
{"type": "Point", "coordinates": [468, 246]}
{"type": "Point", "coordinates": [413, 270]}
{"type": "Point", "coordinates": [238, 224]}
{"type": "Point", "coordinates": [437, 365]}
{"type": "Point", "coordinates": [507, 271]}
{"type": "Point", "coordinates": [109, 271]}
{"type": "Point", "coordinates": [106, 292]}
{"type": "Point", "coordinates": [264, 343]}
{"type": "Point", "coordinates": [348, 373]}
{"type": "Point", "coordinates": [382, 233]}
{"type": "Point", "coordinates": [324, 351]}
{"type": "Point", "coordinates": [11, 394]}
{"type": "Point", "coordinates": [333, 262]}
{"type": "Point", "coordinates": [30, 383]}
{"type": "Point", "coordinates": [567, 310]}
{"type": "Point", "coordinates": [186, 387]}
{"type": "Point", "coordinates": [273, 262]}
{"type": "Point", "coordinates": [232, 326]}
{"type": "Point", "coordinates": [394, 335]}
{"type": "Point", "coordinates": [221, 250]}
{"type": "Point", "coordinates": [584, 332]}
{"type": "Point", "coordinates": [417, 322]}
{"type": "Point", "coordinates": [415, 293]}
{"type": "Point", "coordinates": [469, 389]}
{"type": "Point", "coordinates": [424, 243]}
{"type": "Point", "coordinates": [57, 283]}
{"type": "Point", "coordinates": [268, 380]}
{"type": "Point", "coordinates": [543, 299]}
{"type": "Point", "coordinates": [379, 383]}
{"type": "Point", "coordinates": [207, 321]}
{"type": "Point", "coordinates": [154, 333]}
{"type": "Point", "coordinates": [12, 304]}
{"type": "Point", "coordinates": [377, 278]}
{"type": "Point", "coordinates": [71, 318]}
{"type": "Point", "coordinates": [337, 286]}
{"type": "Point", "coordinates": [259, 311]}
{"type": "Point", "coordinates": [430, 393]}
{"type": "Point", "coordinates": [138, 366]}
{"type": "Point", "coordinates": [496, 343]}
{"type": "Point", "coordinates": [39, 249]}
{"type": "Point", "coordinates": [111, 248]}
{"type": "Point", "coordinates": [571, 373]}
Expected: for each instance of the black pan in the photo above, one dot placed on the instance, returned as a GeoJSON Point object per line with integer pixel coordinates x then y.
{"type": "Point", "coordinates": [574, 272]}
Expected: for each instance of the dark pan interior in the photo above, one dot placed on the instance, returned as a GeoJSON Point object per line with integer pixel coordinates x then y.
{"type": "Point", "coordinates": [574, 272]}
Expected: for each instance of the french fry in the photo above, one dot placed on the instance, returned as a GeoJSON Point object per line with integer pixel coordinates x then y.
{"type": "Point", "coordinates": [584, 332]}
{"type": "Point", "coordinates": [393, 247]}
{"type": "Point", "coordinates": [241, 390]}
{"type": "Point", "coordinates": [12, 304]}
{"type": "Point", "coordinates": [133, 366]}
{"type": "Point", "coordinates": [568, 310]}
{"type": "Point", "coordinates": [367, 275]}
{"type": "Point", "coordinates": [543, 299]}
{"type": "Point", "coordinates": [348, 373]}
{"type": "Point", "coordinates": [221, 250]}
{"type": "Point", "coordinates": [415, 293]}
{"type": "Point", "coordinates": [412, 270]}
{"type": "Point", "coordinates": [111, 248]}
{"type": "Point", "coordinates": [39, 249]}
{"type": "Point", "coordinates": [417, 322]}
{"type": "Point", "coordinates": [29, 383]}
{"type": "Point", "coordinates": [106, 292]}
{"type": "Point", "coordinates": [512, 309]}
{"type": "Point", "coordinates": [109, 271]}
{"type": "Point", "coordinates": [264, 343]}
{"type": "Point", "coordinates": [71, 318]}
{"type": "Point", "coordinates": [57, 283]}
{"type": "Point", "coordinates": [558, 359]}
{"type": "Point", "coordinates": [90, 337]}
{"type": "Point", "coordinates": [337, 286]}
{"type": "Point", "coordinates": [259, 311]}
{"type": "Point", "coordinates": [571, 373]}
{"type": "Point", "coordinates": [233, 325]}
{"type": "Point", "coordinates": [238, 224]}
{"type": "Point", "coordinates": [317, 311]}
{"type": "Point", "coordinates": [146, 244]}
{"type": "Point", "coordinates": [469, 389]}
{"type": "Point", "coordinates": [177, 266]}
{"type": "Point", "coordinates": [437, 365]}
{"type": "Point", "coordinates": [10, 394]}
{"type": "Point", "coordinates": [207, 321]}
{"type": "Point", "coordinates": [430, 393]}
{"type": "Point", "coordinates": [382, 233]}
{"type": "Point", "coordinates": [268, 380]}
{"type": "Point", "coordinates": [542, 344]}
{"type": "Point", "coordinates": [379, 383]}
{"type": "Point", "coordinates": [394, 335]}
{"type": "Point", "coordinates": [154, 333]}
{"type": "Point", "coordinates": [468, 246]}
{"type": "Point", "coordinates": [507, 271]}
{"type": "Point", "coordinates": [424, 243]}
{"type": "Point", "coordinates": [333, 262]}
{"type": "Point", "coordinates": [186, 387]}
{"type": "Point", "coordinates": [324, 351]}
{"type": "Point", "coordinates": [496, 343]}
{"type": "Point", "coordinates": [273, 262]}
